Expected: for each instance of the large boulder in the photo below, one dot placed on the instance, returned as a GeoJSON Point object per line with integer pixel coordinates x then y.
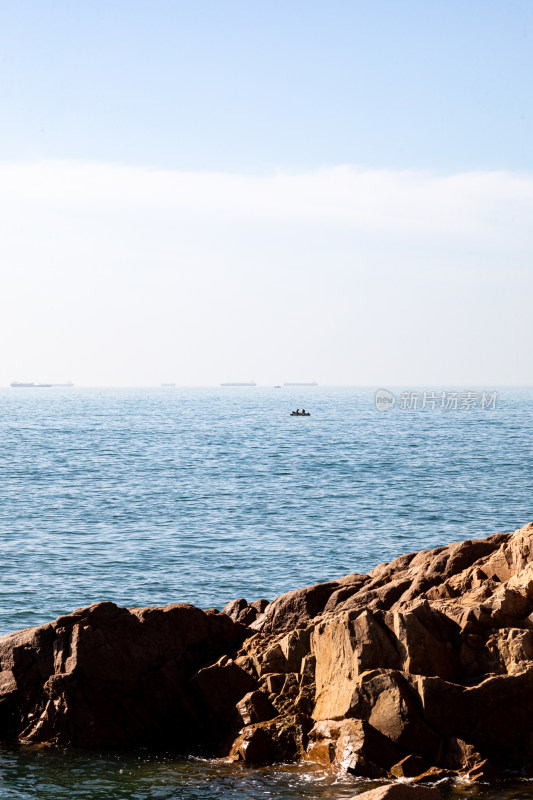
{"type": "Point", "coordinates": [106, 676]}
{"type": "Point", "coordinates": [352, 746]}
{"type": "Point", "coordinates": [295, 609]}
{"type": "Point", "coordinates": [283, 739]}
{"type": "Point", "coordinates": [246, 613]}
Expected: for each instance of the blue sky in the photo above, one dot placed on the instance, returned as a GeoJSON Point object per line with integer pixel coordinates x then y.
{"type": "Point", "coordinates": [188, 188]}
{"type": "Point", "coordinates": [233, 85]}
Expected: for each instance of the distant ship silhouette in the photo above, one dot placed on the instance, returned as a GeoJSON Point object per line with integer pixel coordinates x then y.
{"type": "Point", "coordinates": [240, 383]}
{"type": "Point", "coordinates": [19, 385]}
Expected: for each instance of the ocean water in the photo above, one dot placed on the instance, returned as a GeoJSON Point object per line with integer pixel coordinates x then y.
{"type": "Point", "coordinates": [153, 496]}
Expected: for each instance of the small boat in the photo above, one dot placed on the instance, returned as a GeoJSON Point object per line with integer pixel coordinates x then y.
{"type": "Point", "coordinates": [300, 413]}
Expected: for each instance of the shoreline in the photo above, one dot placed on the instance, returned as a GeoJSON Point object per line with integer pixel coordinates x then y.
{"type": "Point", "coordinates": [421, 669]}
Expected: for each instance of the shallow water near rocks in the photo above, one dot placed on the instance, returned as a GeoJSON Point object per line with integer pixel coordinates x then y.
{"type": "Point", "coordinates": [58, 774]}
{"type": "Point", "coordinates": [147, 497]}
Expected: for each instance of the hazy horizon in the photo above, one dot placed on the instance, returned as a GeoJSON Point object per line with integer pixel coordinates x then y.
{"type": "Point", "coordinates": [261, 385]}
{"type": "Point", "coordinates": [203, 192]}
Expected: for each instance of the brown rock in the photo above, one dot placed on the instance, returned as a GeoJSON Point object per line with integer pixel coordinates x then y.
{"type": "Point", "coordinates": [418, 641]}
{"type": "Point", "coordinates": [425, 641]}
{"type": "Point", "coordinates": [409, 767]}
{"type": "Point", "coordinates": [234, 608]}
{"type": "Point", "coordinates": [387, 701]}
{"type": "Point", "coordinates": [295, 647]}
{"type": "Point", "coordinates": [273, 682]}
{"type": "Point", "coordinates": [353, 746]}
{"type": "Point", "coordinates": [397, 585]}
{"type": "Point", "coordinates": [252, 746]}
{"type": "Point", "coordinates": [308, 667]}
{"type": "Point", "coordinates": [271, 659]}
{"type": "Point", "coordinates": [296, 609]}
{"type": "Point", "coordinates": [344, 648]}
{"type": "Point", "coordinates": [461, 755]}
{"type": "Point", "coordinates": [289, 737]}
{"type": "Point", "coordinates": [220, 687]}
{"type": "Point", "coordinates": [482, 772]}
{"type": "Point", "coordinates": [259, 605]}
{"type": "Point", "coordinates": [243, 612]}
{"type": "Point", "coordinates": [108, 677]}
{"type": "Point", "coordinates": [431, 656]}
{"type": "Point", "coordinates": [494, 715]}
{"type": "Point", "coordinates": [347, 587]}
{"type": "Point", "coordinates": [305, 699]}
{"type": "Point", "coordinates": [280, 740]}
{"type": "Point", "coordinates": [288, 693]}
{"type": "Point", "coordinates": [400, 791]}
{"type": "Point", "coordinates": [507, 651]}
{"type": "Point", "coordinates": [255, 707]}
{"type": "Point", "coordinates": [434, 774]}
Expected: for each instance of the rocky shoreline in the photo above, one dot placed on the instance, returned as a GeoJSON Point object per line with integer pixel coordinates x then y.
{"type": "Point", "coordinates": [421, 669]}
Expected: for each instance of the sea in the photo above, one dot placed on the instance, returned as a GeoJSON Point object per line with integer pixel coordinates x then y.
{"type": "Point", "coordinates": [156, 496]}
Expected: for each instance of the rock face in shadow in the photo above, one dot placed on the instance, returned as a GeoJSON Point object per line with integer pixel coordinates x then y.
{"type": "Point", "coordinates": [106, 676]}
{"type": "Point", "coordinates": [420, 670]}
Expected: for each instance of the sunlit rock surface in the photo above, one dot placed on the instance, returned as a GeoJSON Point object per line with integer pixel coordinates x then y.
{"type": "Point", "coordinates": [419, 670]}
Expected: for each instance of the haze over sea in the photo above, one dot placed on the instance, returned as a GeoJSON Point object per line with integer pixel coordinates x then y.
{"type": "Point", "coordinates": [155, 496]}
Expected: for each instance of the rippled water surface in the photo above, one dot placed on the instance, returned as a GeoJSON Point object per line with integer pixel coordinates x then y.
{"type": "Point", "coordinates": [155, 496]}
{"type": "Point", "coordinates": [66, 774]}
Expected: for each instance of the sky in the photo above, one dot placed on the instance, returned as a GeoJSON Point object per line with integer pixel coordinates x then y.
{"type": "Point", "coordinates": [274, 191]}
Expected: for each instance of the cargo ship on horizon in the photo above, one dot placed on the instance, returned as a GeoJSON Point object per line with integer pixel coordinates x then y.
{"type": "Point", "coordinates": [240, 383]}
{"type": "Point", "coordinates": [21, 385]}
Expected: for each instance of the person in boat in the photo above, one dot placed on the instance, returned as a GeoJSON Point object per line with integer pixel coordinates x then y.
{"type": "Point", "coordinates": [303, 410]}
{"type": "Point", "coordinates": [297, 410]}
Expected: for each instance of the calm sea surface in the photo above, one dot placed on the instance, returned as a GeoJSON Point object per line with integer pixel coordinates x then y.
{"type": "Point", "coordinates": [153, 496]}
